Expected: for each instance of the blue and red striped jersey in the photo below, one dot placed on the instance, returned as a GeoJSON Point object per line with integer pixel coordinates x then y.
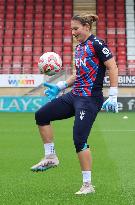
{"type": "Point", "coordinates": [90, 69]}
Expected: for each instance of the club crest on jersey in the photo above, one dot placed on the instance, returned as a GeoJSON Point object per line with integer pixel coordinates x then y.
{"type": "Point", "coordinates": [79, 62]}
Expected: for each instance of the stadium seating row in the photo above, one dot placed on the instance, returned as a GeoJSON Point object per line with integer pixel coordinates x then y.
{"type": "Point", "coordinates": [30, 28]}
{"type": "Point", "coordinates": [112, 28]}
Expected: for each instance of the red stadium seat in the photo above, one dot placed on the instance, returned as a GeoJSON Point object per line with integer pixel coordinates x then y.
{"type": "Point", "coordinates": [67, 41]}
{"type": "Point", "coordinates": [17, 50]}
{"type": "Point", "coordinates": [10, 16]}
{"type": "Point", "coordinates": [120, 15]}
{"type": "Point", "coordinates": [18, 42]}
{"type": "Point", "coordinates": [17, 64]}
{"type": "Point", "coordinates": [9, 25]}
{"type": "Point", "coordinates": [17, 59]}
{"type": "Point", "coordinates": [38, 25]}
{"type": "Point", "coordinates": [28, 2]}
{"type": "Point", "coordinates": [18, 33]}
{"type": "Point", "coordinates": [47, 49]}
{"type": "Point", "coordinates": [8, 41]}
{"type": "Point", "coordinates": [121, 51]}
{"type": "Point", "coordinates": [38, 42]}
{"type": "Point", "coordinates": [67, 59]}
{"type": "Point", "coordinates": [27, 68]}
{"type": "Point", "coordinates": [121, 24]}
{"type": "Point", "coordinates": [7, 59]}
{"type": "Point", "coordinates": [35, 59]}
{"type": "Point", "coordinates": [8, 33]}
{"type": "Point", "coordinates": [58, 25]}
{"type": "Point", "coordinates": [67, 25]}
{"type": "Point", "coordinates": [1, 43]}
{"type": "Point", "coordinates": [19, 17]}
{"type": "Point", "coordinates": [28, 17]}
{"type": "Point", "coordinates": [0, 59]}
{"type": "Point", "coordinates": [113, 50]}
{"type": "Point", "coordinates": [131, 71]}
{"type": "Point", "coordinates": [38, 33]}
{"type": "Point", "coordinates": [7, 50]}
{"type": "Point", "coordinates": [19, 24]}
{"type": "Point", "coordinates": [6, 68]}
{"type": "Point", "coordinates": [27, 50]}
{"type": "Point", "coordinates": [131, 67]}
{"type": "Point", "coordinates": [16, 71]}
{"type": "Point", "coordinates": [19, 8]}
{"type": "Point", "coordinates": [58, 43]}
{"type": "Point", "coordinates": [1, 35]}
{"type": "Point", "coordinates": [1, 25]}
{"type": "Point", "coordinates": [58, 34]}
{"type": "Point", "coordinates": [28, 25]}
{"type": "Point", "coordinates": [28, 33]}
{"type": "Point", "coordinates": [57, 49]}
{"type": "Point", "coordinates": [121, 42]}
{"type": "Point", "coordinates": [37, 50]}
{"type": "Point", "coordinates": [35, 69]}
{"type": "Point", "coordinates": [68, 50]}
{"type": "Point", "coordinates": [27, 59]}
{"type": "Point", "coordinates": [27, 41]}
{"type": "Point", "coordinates": [111, 41]}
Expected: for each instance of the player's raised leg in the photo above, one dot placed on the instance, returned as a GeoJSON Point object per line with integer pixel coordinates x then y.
{"type": "Point", "coordinates": [50, 160]}
{"type": "Point", "coordinates": [43, 117]}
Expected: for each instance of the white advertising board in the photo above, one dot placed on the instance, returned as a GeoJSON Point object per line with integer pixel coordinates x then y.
{"type": "Point", "coordinates": [23, 80]}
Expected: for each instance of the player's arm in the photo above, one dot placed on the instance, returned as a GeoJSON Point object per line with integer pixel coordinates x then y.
{"type": "Point", "coordinates": [113, 72]}
{"type": "Point", "coordinates": [111, 103]}
{"type": "Point", "coordinates": [54, 89]}
{"type": "Point", "coordinates": [70, 81]}
{"type": "Point", "coordinates": [105, 56]}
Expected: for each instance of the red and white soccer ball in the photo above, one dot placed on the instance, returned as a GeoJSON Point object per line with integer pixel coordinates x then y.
{"type": "Point", "coordinates": [50, 63]}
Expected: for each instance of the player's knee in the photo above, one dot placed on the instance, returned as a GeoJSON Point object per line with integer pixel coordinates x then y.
{"type": "Point", "coordinates": [80, 145]}
{"type": "Point", "coordinates": [80, 139]}
{"type": "Point", "coordinates": [41, 118]}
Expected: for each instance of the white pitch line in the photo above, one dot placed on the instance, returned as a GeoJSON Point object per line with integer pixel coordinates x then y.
{"type": "Point", "coordinates": [114, 131]}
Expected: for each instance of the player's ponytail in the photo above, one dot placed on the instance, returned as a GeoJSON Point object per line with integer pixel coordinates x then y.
{"type": "Point", "coordinates": [86, 19]}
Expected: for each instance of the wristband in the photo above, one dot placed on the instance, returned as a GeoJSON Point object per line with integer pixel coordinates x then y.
{"type": "Point", "coordinates": [113, 91]}
{"type": "Point", "coordinates": [62, 85]}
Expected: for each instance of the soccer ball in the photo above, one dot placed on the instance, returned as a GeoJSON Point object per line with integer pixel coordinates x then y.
{"type": "Point", "coordinates": [50, 63]}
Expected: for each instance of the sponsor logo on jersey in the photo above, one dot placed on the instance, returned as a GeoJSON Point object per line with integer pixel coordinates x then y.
{"type": "Point", "coordinates": [82, 113]}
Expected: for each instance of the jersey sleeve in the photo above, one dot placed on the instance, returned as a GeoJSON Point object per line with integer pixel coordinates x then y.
{"type": "Point", "coordinates": [102, 50]}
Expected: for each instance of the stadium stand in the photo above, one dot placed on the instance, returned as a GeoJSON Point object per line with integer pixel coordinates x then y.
{"type": "Point", "coordinates": [28, 28]}
{"type": "Point", "coordinates": [130, 28]}
{"type": "Point", "coordinates": [112, 28]}
{"type": "Point", "coordinates": [31, 27]}
{"type": "Point", "coordinates": [117, 28]}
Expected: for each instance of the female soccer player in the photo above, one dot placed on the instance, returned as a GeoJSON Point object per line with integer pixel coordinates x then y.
{"type": "Point", "coordinates": [84, 101]}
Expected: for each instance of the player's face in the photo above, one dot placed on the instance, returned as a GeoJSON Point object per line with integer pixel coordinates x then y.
{"type": "Point", "coordinates": [80, 32]}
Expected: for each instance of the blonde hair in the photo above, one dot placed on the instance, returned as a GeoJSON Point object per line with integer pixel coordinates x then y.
{"type": "Point", "coordinates": [85, 19]}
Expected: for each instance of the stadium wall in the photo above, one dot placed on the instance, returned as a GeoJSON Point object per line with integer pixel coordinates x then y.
{"type": "Point", "coordinates": [33, 103]}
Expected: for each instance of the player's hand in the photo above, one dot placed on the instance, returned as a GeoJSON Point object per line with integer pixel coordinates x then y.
{"type": "Point", "coordinates": [52, 91]}
{"type": "Point", "coordinates": [111, 105]}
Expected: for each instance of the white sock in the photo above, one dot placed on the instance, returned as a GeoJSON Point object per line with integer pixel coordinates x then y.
{"type": "Point", "coordinates": [49, 148]}
{"type": "Point", "coordinates": [86, 176]}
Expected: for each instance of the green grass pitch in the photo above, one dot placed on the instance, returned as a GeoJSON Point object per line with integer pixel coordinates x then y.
{"type": "Point", "coordinates": [112, 143]}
